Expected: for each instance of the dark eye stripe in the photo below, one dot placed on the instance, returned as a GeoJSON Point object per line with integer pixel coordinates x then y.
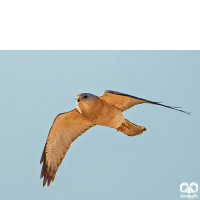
{"type": "Point", "coordinates": [84, 97]}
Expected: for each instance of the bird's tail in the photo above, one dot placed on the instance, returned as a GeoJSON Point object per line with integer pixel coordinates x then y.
{"type": "Point", "coordinates": [131, 129]}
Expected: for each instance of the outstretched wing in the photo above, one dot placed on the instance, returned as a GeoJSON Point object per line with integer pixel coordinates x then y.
{"type": "Point", "coordinates": [125, 101]}
{"type": "Point", "coordinates": [65, 129]}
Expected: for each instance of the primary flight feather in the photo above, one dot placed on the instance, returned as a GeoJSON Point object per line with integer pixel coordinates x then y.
{"type": "Point", "coordinates": [106, 110]}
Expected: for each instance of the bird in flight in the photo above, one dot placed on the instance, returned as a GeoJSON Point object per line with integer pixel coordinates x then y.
{"type": "Point", "coordinates": [106, 110]}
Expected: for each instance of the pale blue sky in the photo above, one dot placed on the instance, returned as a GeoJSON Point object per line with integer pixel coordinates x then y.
{"type": "Point", "coordinates": [102, 164]}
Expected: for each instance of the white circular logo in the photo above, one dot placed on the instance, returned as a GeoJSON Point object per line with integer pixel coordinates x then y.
{"type": "Point", "coordinates": [189, 189]}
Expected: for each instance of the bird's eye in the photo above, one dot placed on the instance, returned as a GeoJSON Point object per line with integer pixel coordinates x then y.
{"type": "Point", "coordinates": [85, 96]}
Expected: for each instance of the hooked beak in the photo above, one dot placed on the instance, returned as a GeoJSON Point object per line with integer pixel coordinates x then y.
{"type": "Point", "coordinates": [77, 98]}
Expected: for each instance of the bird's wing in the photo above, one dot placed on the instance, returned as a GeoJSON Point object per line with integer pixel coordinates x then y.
{"type": "Point", "coordinates": [125, 101]}
{"type": "Point", "coordinates": [66, 128]}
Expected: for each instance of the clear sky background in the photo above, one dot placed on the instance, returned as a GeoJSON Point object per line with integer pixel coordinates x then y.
{"type": "Point", "coordinates": [103, 163]}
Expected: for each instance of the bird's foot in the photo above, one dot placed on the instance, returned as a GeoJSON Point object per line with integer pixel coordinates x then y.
{"type": "Point", "coordinates": [121, 128]}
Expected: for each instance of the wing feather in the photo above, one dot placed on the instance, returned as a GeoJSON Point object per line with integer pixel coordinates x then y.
{"type": "Point", "coordinates": [66, 128]}
{"type": "Point", "coordinates": [126, 101]}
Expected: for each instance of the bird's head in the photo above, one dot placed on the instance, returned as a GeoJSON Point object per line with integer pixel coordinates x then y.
{"type": "Point", "coordinates": [85, 101]}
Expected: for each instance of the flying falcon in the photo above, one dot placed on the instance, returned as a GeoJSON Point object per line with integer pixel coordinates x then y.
{"type": "Point", "coordinates": [106, 110]}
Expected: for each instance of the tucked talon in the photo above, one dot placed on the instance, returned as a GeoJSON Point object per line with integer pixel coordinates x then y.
{"type": "Point", "coordinates": [119, 129]}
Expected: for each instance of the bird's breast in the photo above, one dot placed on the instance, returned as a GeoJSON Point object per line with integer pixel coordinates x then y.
{"type": "Point", "coordinates": [105, 114]}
